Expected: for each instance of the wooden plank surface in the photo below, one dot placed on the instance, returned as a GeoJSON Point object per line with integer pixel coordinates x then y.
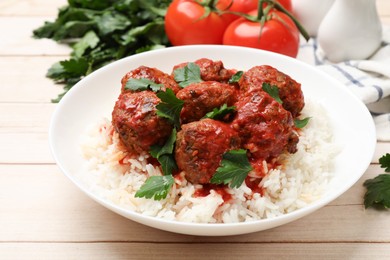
{"type": "Point", "coordinates": [248, 251]}
{"type": "Point", "coordinates": [30, 7]}
{"type": "Point", "coordinates": [17, 40]}
{"type": "Point", "coordinates": [43, 215]}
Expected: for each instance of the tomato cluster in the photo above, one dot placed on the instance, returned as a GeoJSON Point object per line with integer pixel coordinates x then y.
{"type": "Point", "coordinates": [234, 22]}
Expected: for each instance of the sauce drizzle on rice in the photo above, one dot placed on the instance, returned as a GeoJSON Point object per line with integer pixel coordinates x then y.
{"type": "Point", "coordinates": [283, 178]}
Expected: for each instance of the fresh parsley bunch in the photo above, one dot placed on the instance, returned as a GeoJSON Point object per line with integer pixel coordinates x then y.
{"type": "Point", "coordinates": [100, 32]}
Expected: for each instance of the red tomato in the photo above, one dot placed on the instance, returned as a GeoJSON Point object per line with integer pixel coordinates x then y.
{"type": "Point", "coordinates": [246, 6]}
{"type": "Point", "coordinates": [276, 35]}
{"type": "Point", "coordinates": [243, 6]}
{"type": "Point", "coordinates": [185, 24]}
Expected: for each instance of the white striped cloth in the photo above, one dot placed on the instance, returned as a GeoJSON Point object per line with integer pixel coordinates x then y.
{"type": "Point", "coordinates": [369, 79]}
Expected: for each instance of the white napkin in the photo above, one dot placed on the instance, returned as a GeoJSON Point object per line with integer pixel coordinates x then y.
{"type": "Point", "coordinates": [368, 79]}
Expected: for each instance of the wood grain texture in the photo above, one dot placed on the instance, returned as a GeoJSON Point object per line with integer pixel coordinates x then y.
{"type": "Point", "coordinates": [43, 215]}
{"type": "Point", "coordinates": [248, 251]}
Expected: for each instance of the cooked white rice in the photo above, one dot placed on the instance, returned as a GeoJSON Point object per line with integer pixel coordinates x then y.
{"type": "Point", "coordinates": [302, 178]}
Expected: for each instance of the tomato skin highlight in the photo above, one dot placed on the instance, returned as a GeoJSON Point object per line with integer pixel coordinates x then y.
{"type": "Point", "coordinates": [276, 36]}
{"type": "Point", "coordinates": [185, 25]}
{"type": "Point", "coordinates": [242, 6]}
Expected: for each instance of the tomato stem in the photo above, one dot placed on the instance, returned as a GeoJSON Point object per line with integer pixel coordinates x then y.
{"type": "Point", "coordinates": [275, 4]}
{"type": "Point", "coordinates": [211, 6]}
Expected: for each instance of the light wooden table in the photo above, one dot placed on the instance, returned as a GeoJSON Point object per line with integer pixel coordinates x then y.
{"type": "Point", "coordinates": [44, 216]}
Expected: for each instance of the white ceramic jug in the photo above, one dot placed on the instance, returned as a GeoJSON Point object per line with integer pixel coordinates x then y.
{"type": "Point", "coordinates": [351, 30]}
{"type": "Point", "coordinates": [310, 13]}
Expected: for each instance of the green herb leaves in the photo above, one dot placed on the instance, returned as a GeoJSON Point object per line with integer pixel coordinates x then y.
{"type": "Point", "coordinates": [164, 154]}
{"type": "Point", "coordinates": [273, 91]}
{"type": "Point", "coordinates": [301, 123]}
{"type": "Point", "coordinates": [234, 168]}
{"type": "Point", "coordinates": [236, 77]}
{"type": "Point", "coordinates": [378, 188]}
{"type": "Point", "coordinates": [170, 107]}
{"type": "Point", "coordinates": [187, 75]}
{"type": "Point", "coordinates": [220, 113]}
{"type": "Point", "coordinates": [378, 191]}
{"type": "Point", "coordinates": [156, 187]}
{"type": "Point", "coordinates": [142, 84]}
{"type": "Point", "coordinates": [385, 162]}
{"type": "Point", "coordinates": [104, 31]}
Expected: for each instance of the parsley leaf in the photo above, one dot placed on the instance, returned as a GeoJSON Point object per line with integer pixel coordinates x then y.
{"type": "Point", "coordinates": [159, 186]}
{"type": "Point", "coordinates": [168, 163]}
{"type": "Point", "coordinates": [378, 191]}
{"type": "Point", "coordinates": [90, 40]}
{"type": "Point", "coordinates": [68, 68]}
{"type": "Point", "coordinates": [142, 84]}
{"type": "Point", "coordinates": [164, 154]}
{"type": "Point", "coordinates": [385, 162]}
{"type": "Point", "coordinates": [234, 168]}
{"type": "Point", "coordinates": [156, 187]}
{"type": "Point", "coordinates": [187, 75]}
{"type": "Point", "coordinates": [170, 107]}
{"type": "Point", "coordinates": [378, 188]}
{"type": "Point", "coordinates": [236, 77]}
{"type": "Point", "coordinates": [221, 112]}
{"type": "Point", "coordinates": [273, 91]}
{"type": "Point", "coordinates": [301, 123]}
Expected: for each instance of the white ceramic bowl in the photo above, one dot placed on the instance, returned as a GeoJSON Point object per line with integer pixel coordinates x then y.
{"type": "Point", "coordinates": [94, 97]}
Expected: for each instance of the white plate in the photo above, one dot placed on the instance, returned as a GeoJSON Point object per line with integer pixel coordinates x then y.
{"type": "Point", "coordinates": [94, 97]}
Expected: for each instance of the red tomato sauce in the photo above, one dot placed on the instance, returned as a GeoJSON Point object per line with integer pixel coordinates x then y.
{"type": "Point", "coordinates": [220, 189]}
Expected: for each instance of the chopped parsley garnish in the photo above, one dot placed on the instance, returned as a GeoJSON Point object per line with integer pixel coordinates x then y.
{"type": "Point", "coordinates": [236, 77]}
{"type": "Point", "coordinates": [273, 91]}
{"type": "Point", "coordinates": [170, 107]}
{"type": "Point", "coordinates": [187, 75]}
{"type": "Point", "coordinates": [234, 168]}
{"type": "Point", "coordinates": [156, 187]}
{"type": "Point", "coordinates": [301, 123]}
{"type": "Point", "coordinates": [164, 154]}
{"type": "Point", "coordinates": [142, 84]}
{"type": "Point", "coordinates": [378, 188]}
{"type": "Point", "coordinates": [220, 113]}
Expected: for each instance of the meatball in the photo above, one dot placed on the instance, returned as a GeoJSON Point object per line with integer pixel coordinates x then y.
{"type": "Point", "coordinates": [152, 74]}
{"type": "Point", "coordinates": [200, 146]}
{"type": "Point", "coordinates": [135, 120]}
{"type": "Point", "coordinates": [201, 98]}
{"type": "Point", "coordinates": [265, 127]}
{"type": "Point", "coordinates": [211, 70]}
{"type": "Point", "coordinates": [289, 90]}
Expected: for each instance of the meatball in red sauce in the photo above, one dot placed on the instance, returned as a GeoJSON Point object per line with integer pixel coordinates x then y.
{"type": "Point", "coordinates": [265, 127]}
{"type": "Point", "coordinates": [152, 74]}
{"type": "Point", "coordinates": [259, 124]}
{"type": "Point", "coordinates": [135, 120]}
{"type": "Point", "coordinates": [289, 90]}
{"type": "Point", "coordinates": [211, 70]}
{"type": "Point", "coordinates": [200, 146]}
{"type": "Point", "coordinates": [201, 98]}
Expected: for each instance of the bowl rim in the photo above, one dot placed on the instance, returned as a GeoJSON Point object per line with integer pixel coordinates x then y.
{"type": "Point", "coordinates": [208, 229]}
